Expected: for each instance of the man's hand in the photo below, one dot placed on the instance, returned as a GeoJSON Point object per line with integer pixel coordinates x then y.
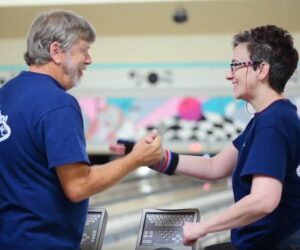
{"type": "Point", "coordinates": [148, 148]}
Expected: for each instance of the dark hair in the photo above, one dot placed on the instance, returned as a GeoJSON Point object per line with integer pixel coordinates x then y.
{"type": "Point", "coordinates": [275, 46]}
{"type": "Point", "coordinates": [65, 27]}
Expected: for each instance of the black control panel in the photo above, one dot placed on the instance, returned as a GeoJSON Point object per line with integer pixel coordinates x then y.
{"type": "Point", "coordinates": [94, 229]}
{"type": "Point", "coordinates": [162, 229]}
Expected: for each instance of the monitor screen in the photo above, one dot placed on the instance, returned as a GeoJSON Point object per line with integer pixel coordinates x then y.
{"type": "Point", "coordinates": [164, 228]}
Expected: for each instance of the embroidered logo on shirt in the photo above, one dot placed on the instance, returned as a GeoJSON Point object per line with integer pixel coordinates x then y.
{"type": "Point", "coordinates": [5, 130]}
{"type": "Point", "coordinates": [298, 171]}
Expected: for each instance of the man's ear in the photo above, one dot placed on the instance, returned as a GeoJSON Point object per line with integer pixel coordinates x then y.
{"type": "Point", "coordinates": [56, 52]}
{"type": "Point", "coordinates": [263, 70]}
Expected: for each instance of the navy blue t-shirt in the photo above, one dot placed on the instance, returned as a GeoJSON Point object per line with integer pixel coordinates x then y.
{"type": "Point", "coordinates": [270, 145]}
{"type": "Point", "coordinates": [41, 128]}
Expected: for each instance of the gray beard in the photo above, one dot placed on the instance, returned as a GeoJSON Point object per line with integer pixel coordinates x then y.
{"type": "Point", "coordinates": [73, 75]}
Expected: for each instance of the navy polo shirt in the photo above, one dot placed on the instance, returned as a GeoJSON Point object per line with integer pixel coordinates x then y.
{"type": "Point", "coordinates": [270, 145]}
{"type": "Point", "coordinates": [41, 128]}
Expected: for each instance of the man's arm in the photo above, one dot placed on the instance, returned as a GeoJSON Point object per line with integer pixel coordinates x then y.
{"type": "Point", "coordinates": [79, 181]}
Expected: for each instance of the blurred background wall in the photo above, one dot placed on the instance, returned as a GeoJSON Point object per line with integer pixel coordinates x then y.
{"type": "Point", "coordinates": [145, 31]}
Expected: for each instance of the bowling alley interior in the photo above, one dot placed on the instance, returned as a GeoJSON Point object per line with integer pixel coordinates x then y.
{"type": "Point", "coordinates": [157, 65]}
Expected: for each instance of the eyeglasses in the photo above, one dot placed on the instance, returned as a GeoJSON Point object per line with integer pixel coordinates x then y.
{"type": "Point", "coordinates": [238, 65]}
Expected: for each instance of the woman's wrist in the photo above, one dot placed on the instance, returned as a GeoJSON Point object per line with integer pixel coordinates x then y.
{"type": "Point", "coordinates": [167, 164]}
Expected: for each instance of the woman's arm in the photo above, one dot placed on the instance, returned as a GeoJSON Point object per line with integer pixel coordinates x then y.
{"type": "Point", "coordinates": [217, 167]}
{"type": "Point", "coordinates": [259, 203]}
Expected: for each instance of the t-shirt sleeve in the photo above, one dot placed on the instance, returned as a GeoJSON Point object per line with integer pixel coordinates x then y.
{"type": "Point", "coordinates": [268, 154]}
{"type": "Point", "coordinates": [237, 142]}
{"type": "Point", "coordinates": [64, 137]}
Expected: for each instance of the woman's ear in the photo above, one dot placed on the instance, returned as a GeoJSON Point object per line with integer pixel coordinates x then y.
{"type": "Point", "coordinates": [56, 52]}
{"type": "Point", "coordinates": [263, 70]}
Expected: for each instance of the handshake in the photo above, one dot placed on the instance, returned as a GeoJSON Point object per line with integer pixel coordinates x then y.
{"type": "Point", "coordinates": [164, 161]}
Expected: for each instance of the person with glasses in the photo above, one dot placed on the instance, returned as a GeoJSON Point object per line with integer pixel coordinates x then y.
{"type": "Point", "coordinates": [264, 160]}
{"type": "Point", "coordinates": [46, 177]}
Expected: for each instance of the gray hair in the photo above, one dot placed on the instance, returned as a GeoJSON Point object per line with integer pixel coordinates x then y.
{"type": "Point", "coordinates": [61, 26]}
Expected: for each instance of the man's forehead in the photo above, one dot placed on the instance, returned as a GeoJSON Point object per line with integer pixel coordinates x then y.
{"type": "Point", "coordinates": [82, 43]}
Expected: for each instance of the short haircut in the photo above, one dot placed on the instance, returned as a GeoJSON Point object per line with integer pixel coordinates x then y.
{"type": "Point", "coordinates": [61, 26]}
{"type": "Point", "coordinates": [275, 46]}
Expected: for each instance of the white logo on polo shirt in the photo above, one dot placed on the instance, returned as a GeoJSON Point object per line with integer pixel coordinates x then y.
{"type": "Point", "coordinates": [5, 130]}
{"type": "Point", "coordinates": [298, 171]}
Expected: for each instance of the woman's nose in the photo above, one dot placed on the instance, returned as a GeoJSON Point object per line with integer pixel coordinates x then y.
{"type": "Point", "coordinates": [229, 76]}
